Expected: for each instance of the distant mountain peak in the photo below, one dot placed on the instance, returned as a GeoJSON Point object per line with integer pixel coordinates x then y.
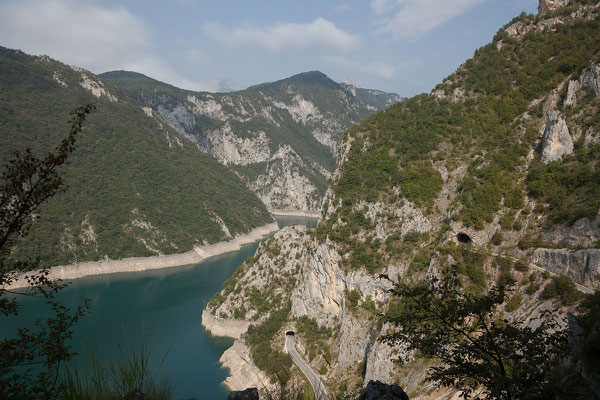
{"type": "Point", "coordinates": [122, 73]}
{"type": "Point", "coordinates": [310, 76]}
{"type": "Point", "coordinates": [313, 77]}
{"type": "Point", "coordinates": [303, 78]}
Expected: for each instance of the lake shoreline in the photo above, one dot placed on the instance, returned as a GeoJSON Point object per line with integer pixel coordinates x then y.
{"type": "Point", "coordinates": [133, 264]}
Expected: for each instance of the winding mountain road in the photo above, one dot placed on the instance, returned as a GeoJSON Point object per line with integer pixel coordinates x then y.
{"type": "Point", "coordinates": [315, 382]}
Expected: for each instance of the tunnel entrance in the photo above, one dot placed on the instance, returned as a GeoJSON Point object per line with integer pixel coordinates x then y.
{"type": "Point", "coordinates": [289, 333]}
{"type": "Point", "coordinates": [463, 238]}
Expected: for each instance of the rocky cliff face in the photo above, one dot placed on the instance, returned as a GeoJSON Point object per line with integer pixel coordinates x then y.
{"type": "Point", "coordinates": [479, 192]}
{"type": "Point", "coordinates": [551, 5]}
{"type": "Point", "coordinates": [557, 141]}
{"type": "Point", "coordinates": [281, 138]}
{"type": "Point", "coordinates": [137, 187]}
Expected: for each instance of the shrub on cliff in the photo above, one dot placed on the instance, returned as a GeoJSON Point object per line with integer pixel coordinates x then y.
{"type": "Point", "coordinates": [562, 287]}
{"type": "Point", "coordinates": [476, 347]}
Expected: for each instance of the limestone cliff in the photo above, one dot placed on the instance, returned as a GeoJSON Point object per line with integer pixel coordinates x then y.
{"type": "Point", "coordinates": [281, 137]}
{"type": "Point", "coordinates": [136, 186]}
{"type": "Point", "coordinates": [493, 176]}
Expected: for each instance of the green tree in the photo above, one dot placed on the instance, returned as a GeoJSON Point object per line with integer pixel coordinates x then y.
{"type": "Point", "coordinates": [475, 347]}
{"type": "Point", "coordinates": [590, 342]}
{"type": "Point", "coordinates": [30, 361]}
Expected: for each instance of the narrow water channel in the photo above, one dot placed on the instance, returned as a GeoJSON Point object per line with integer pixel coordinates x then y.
{"type": "Point", "coordinates": [162, 307]}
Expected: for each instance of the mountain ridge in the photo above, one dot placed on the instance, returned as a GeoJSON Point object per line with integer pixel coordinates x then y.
{"type": "Point", "coordinates": [280, 137]}
{"type": "Point", "coordinates": [454, 181]}
{"type": "Point", "coordinates": [136, 186]}
{"type": "Point", "coordinates": [308, 77]}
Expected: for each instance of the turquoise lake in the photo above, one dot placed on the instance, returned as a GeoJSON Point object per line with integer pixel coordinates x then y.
{"type": "Point", "coordinates": [162, 307]}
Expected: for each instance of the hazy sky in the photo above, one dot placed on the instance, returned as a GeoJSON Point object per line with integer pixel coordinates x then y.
{"type": "Point", "coordinates": [404, 46]}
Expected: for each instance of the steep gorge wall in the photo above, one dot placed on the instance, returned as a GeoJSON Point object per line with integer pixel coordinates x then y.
{"type": "Point", "coordinates": [374, 222]}
{"type": "Point", "coordinates": [281, 138]}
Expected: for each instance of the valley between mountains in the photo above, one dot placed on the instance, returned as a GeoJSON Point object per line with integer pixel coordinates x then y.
{"type": "Point", "coordinates": [281, 137]}
{"type": "Point", "coordinates": [494, 170]}
{"type": "Point", "coordinates": [162, 174]}
{"type": "Point", "coordinates": [486, 188]}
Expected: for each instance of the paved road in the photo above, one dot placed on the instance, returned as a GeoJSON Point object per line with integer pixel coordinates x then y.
{"type": "Point", "coordinates": [315, 382]}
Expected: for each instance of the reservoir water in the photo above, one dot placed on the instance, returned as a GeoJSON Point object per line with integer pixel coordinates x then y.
{"type": "Point", "coordinates": [162, 307]}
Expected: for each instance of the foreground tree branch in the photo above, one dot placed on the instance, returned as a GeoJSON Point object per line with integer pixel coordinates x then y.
{"type": "Point", "coordinates": [31, 359]}
{"type": "Point", "coordinates": [474, 346]}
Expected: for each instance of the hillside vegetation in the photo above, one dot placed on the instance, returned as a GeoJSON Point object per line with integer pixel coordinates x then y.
{"type": "Point", "coordinates": [136, 187]}
{"type": "Point", "coordinates": [281, 137]}
{"type": "Point", "coordinates": [491, 178]}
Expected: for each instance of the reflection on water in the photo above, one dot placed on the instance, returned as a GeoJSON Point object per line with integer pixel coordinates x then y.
{"type": "Point", "coordinates": [163, 307]}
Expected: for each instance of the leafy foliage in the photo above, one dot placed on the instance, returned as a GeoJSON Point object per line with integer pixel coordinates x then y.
{"type": "Point", "coordinates": [31, 359]}
{"type": "Point", "coordinates": [498, 85]}
{"type": "Point", "coordinates": [590, 345]}
{"type": "Point", "coordinates": [563, 287]}
{"type": "Point", "coordinates": [274, 362]}
{"type": "Point", "coordinates": [134, 191]}
{"type": "Point", "coordinates": [389, 149]}
{"type": "Point", "coordinates": [316, 338]}
{"type": "Point", "coordinates": [475, 346]}
{"type": "Point", "coordinates": [570, 188]}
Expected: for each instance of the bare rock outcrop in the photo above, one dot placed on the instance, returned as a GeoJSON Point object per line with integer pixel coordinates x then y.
{"type": "Point", "coordinates": [320, 293]}
{"type": "Point", "coordinates": [243, 372]}
{"type": "Point", "coordinates": [551, 5]}
{"type": "Point", "coordinates": [583, 266]}
{"type": "Point", "coordinates": [518, 29]}
{"type": "Point", "coordinates": [229, 148]}
{"type": "Point", "coordinates": [583, 233]}
{"type": "Point", "coordinates": [557, 142]}
{"type": "Point", "coordinates": [572, 91]}
{"type": "Point", "coordinates": [283, 185]}
{"type": "Point", "coordinates": [379, 357]}
{"type": "Point", "coordinates": [590, 78]}
{"type": "Point", "coordinates": [233, 328]}
{"type": "Point", "coordinates": [354, 342]}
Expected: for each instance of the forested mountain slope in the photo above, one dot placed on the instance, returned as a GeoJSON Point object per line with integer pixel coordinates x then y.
{"type": "Point", "coordinates": [492, 175]}
{"type": "Point", "coordinates": [136, 187]}
{"type": "Point", "coordinates": [281, 137]}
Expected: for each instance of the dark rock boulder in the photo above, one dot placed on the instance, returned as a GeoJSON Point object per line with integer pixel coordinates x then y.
{"type": "Point", "coordinates": [248, 394]}
{"type": "Point", "coordinates": [376, 390]}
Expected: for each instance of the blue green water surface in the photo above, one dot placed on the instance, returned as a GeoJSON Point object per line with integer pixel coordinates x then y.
{"type": "Point", "coordinates": [163, 307]}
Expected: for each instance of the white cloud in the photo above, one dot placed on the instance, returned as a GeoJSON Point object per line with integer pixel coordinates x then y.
{"type": "Point", "coordinates": [78, 33]}
{"type": "Point", "coordinates": [411, 19]}
{"type": "Point", "coordinates": [377, 68]}
{"type": "Point", "coordinates": [196, 56]}
{"type": "Point", "coordinates": [87, 34]}
{"type": "Point", "coordinates": [358, 84]}
{"type": "Point", "coordinates": [341, 8]}
{"type": "Point", "coordinates": [382, 70]}
{"type": "Point", "coordinates": [319, 32]}
{"type": "Point", "coordinates": [381, 6]}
